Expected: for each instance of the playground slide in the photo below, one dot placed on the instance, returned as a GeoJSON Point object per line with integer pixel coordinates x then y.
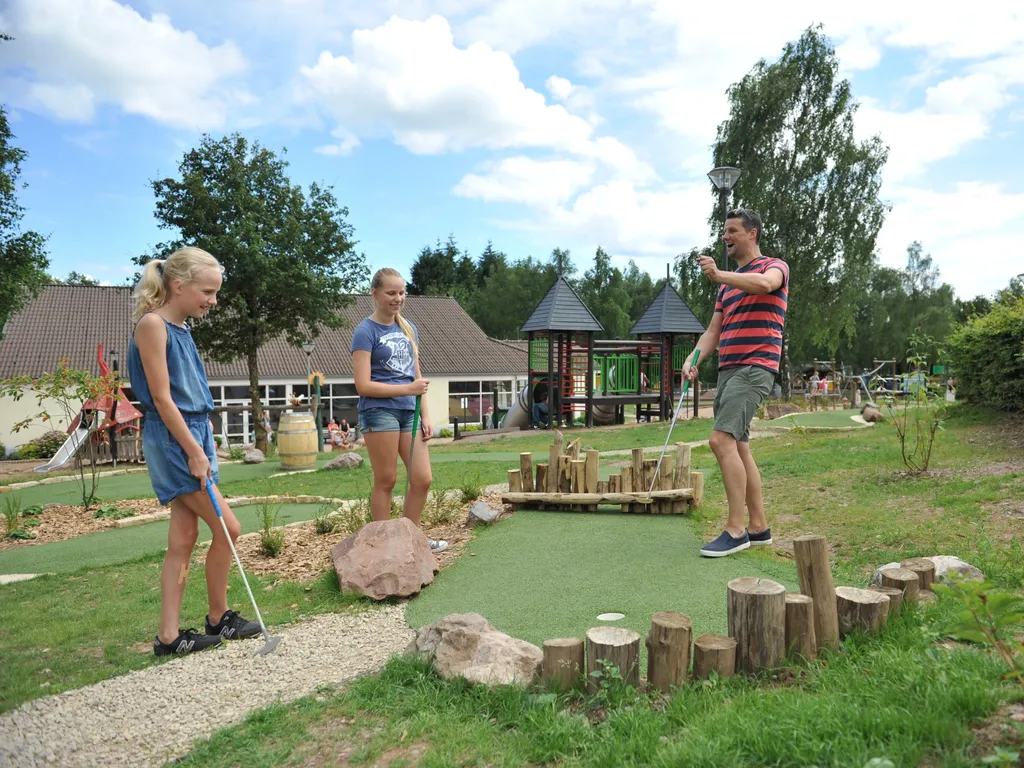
{"type": "Point", "coordinates": [71, 445]}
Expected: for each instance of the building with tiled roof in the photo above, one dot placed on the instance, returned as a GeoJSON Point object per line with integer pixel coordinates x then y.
{"type": "Point", "coordinates": [464, 365]}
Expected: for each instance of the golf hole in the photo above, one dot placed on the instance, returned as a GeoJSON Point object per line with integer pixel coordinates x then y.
{"type": "Point", "coordinates": [611, 616]}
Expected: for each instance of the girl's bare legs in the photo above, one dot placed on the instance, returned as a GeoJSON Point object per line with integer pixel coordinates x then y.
{"type": "Point", "coordinates": [181, 538]}
{"type": "Point", "coordinates": [219, 558]}
{"type": "Point", "coordinates": [383, 450]}
{"type": "Point", "coordinates": [420, 475]}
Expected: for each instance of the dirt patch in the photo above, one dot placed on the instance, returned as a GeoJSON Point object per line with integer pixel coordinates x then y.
{"type": "Point", "coordinates": [999, 730]}
{"type": "Point", "coordinates": [1007, 508]}
{"type": "Point", "coordinates": [995, 469]}
{"type": "Point", "coordinates": [64, 521]}
{"type": "Point", "coordinates": [307, 554]}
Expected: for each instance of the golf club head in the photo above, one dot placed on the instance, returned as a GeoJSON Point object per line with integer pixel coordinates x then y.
{"type": "Point", "coordinates": [269, 647]}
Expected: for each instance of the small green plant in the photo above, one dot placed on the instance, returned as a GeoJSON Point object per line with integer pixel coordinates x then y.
{"type": "Point", "coordinates": [324, 521]}
{"type": "Point", "coordinates": [29, 452]}
{"type": "Point", "coordinates": [113, 512]}
{"type": "Point", "coordinates": [21, 534]}
{"type": "Point", "coordinates": [219, 440]}
{"type": "Point", "coordinates": [271, 537]}
{"type": "Point", "coordinates": [236, 453]}
{"type": "Point", "coordinates": [32, 510]}
{"type": "Point", "coordinates": [3, 451]}
{"type": "Point", "coordinates": [353, 516]}
{"type": "Point", "coordinates": [613, 691]}
{"type": "Point", "coordinates": [920, 413]}
{"type": "Point", "coordinates": [32, 522]}
{"type": "Point", "coordinates": [445, 433]}
{"type": "Point", "coordinates": [470, 488]}
{"type": "Point", "coordinates": [12, 511]}
{"type": "Point", "coordinates": [1002, 756]}
{"type": "Point", "coordinates": [985, 614]}
{"type": "Point", "coordinates": [443, 507]}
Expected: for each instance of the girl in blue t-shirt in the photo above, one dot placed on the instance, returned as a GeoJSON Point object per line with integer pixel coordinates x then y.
{"type": "Point", "coordinates": [169, 380]}
{"type": "Point", "coordinates": [385, 357]}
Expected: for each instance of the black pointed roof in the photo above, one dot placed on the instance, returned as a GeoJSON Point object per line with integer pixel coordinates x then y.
{"type": "Point", "coordinates": [668, 313]}
{"type": "Point", "coordinates": [561, 310]}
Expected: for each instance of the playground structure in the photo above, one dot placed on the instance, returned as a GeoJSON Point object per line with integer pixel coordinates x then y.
{"type": "Point", "coordinates": [579, 378]}
{"type": "Point", "coordinates": [568, 481]}
{"type": "Point", "coordinates": [110, 423]}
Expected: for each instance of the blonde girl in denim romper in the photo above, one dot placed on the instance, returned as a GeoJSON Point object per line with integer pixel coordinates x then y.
{"type": "Point", "coordinates": [386, 361]}
{"type": "Point", "coordinates": [168, 378]}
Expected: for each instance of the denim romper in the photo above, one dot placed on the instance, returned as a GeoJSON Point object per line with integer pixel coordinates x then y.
{"type": "Point", "coordinates": [165, 458]}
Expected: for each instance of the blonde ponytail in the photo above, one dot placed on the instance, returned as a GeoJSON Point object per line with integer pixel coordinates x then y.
{"type": "Point", "coordinates": [184, 264]}
{"type": "Point", "coordinates": [376, 283]}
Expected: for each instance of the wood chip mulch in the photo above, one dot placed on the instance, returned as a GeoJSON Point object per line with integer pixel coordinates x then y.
{"type": "Point", "coordinates": [66, 521]}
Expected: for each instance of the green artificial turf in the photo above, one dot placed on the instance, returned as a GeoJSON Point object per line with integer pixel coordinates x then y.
{"type": "Point", "coordinates": [541, 575]}
{"type": "Point", "coordinates": [121, 545]}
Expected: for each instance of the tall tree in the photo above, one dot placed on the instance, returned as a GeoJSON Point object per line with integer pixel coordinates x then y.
{"type": "Point", "coordinates": [562, 263]}
{"type": "Point", "coordinates": [641, 289]}
{"type": "Point", "coordinates": [23, 259]}
{"type": "Point", "coordinates": [443, 271]}
{"type": "Point", "coordinates": [488, 263]}
{"type": "Point", "coordinates": [289, 255]}
{"type": "Point", "coordinates": [790, 131]}
{"type": "Point", "coordinates": [510, 293]}
{"type": "Point", "coordinates": [75, 278]}
{"type": "Point", "coordinates": [604, 291]}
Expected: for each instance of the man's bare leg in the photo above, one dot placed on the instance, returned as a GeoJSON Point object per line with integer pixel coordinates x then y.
{"type": "Point", "coordinates": [734, 477]}
{"type": "Point", "coordinates": [754, 497]}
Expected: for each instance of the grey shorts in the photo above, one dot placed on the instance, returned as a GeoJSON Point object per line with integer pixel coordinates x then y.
{"type": "Point", "coordinates": [740, 391]}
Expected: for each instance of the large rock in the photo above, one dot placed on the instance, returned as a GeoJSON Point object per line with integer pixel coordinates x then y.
{"type": "Point", "coordinates": [871, 414]}
{"type": "Point", "coordinates": [345, 461]}
{"type": "Point", "coordinates": [389, 558]}
{"type": "Point", "coordinates": [778, 410]}
{"type": "Point", "coordinates": [465, 645]}
{"type": "Point", "coordinates": [254, 456]}
{"type": "Point", "coordinates": [944, 565]}
{"type": "Point", "coordinates": [482, 513]}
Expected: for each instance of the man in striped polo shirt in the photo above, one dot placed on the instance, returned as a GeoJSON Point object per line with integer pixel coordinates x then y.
{"type": "Point", "coordinates": [746, 329]}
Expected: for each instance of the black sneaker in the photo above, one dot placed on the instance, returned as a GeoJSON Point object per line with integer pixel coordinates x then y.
{"type": "Point", "coordinates": [232, 627]}
{"type": "Point", "coordinates": [761, 538]}
{"type": "Point", "coordinates": [726, 545]}
{"type": "Point", "coordinates": [187, 641]}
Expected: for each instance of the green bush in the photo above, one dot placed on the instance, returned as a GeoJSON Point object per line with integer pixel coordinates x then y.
{"type": "Point", "coordinates": [445, 433]}
{"type": "Point", "coordinates": [50, 443]}
{"type": "Point", "coordinates": [28, 451]}
{"type": "Point", "coordinates": [987, 356]}
{"type": "Point", "coordinates": [3, 451]}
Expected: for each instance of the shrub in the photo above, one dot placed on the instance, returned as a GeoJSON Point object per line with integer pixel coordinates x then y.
{"type": "Point", "coordinates": [50, 443]}
{"type": "Point", "coordinates": [219, 440]}
{"type": "Point", "coordinates": [354, 516]}
{"type": "Point", "coordinates": [271, 537]}
{"type": "Point", "coordinates": [445, 433]}
{"type": "Point", "coordinates": [28, 451]}
{"type": "Point", "coordinates": [12, 511]}
{"type": "Point", "coordinates": [324, 520]}
{"type": "Point", "coordinates": [114, 512]}
{"type": "Point", "coordinates": [987, 357]}
{"type": "Point", "coordinates": [236, 453]}
{"type": "Point", "coordinates": [471, 490]}
{"type": "Point", "coordinates": [442, 508]}
{"type": "Point", "coordinates": [3, 451]}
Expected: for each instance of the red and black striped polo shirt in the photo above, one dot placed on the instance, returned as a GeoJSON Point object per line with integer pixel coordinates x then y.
{"type": "Point", "coordinates": [752, 323]}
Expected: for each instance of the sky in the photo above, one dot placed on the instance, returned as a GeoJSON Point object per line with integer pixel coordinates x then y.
{"type": "Point", "coordinates": [534, 124]}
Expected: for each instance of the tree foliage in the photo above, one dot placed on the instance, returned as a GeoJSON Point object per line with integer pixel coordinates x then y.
{"type": "Point", "coordinates": [23, 259]}
{"type": "Point", "coordinates": [289, 256]}
{"type": "Point", "coordinates": [987, 356]}
{"type": "Point", "coordinates": [790, 131]}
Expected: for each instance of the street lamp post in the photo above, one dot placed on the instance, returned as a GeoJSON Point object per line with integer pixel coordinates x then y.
{"type": "Point", "coordinates": [724, 178]}
{"type": "Point", "coordinates": [314, 400]}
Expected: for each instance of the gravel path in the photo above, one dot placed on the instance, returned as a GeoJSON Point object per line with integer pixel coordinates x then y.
{"type": "Point", "coordinates": [150, 716]}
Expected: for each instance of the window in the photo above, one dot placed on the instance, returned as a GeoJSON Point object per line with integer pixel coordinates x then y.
{"type": "Point", "coordinates": [215, 393]}
{"type": "Point", "coordinates": [461, 387]}
{"type": "Point", "coordinates": [278, 391]}
{"type": "Point", "coordinates": [236, 393]}
{"type": "Point", "coordinates": [344, 390]}
{"type": "Point", "coordinates": [468, 401]}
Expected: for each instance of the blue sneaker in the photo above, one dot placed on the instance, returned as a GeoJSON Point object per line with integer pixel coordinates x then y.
{"type": "Point", "coordinates": [760, 538]}
{"type": "Point", "coordinates": [726, 545]}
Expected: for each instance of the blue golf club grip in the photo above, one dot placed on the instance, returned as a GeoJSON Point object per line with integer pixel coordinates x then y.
{"type": "Point", "coordinates": [213, 496]}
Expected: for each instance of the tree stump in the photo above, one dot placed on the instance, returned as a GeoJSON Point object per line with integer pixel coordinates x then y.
{"type": "Point", "coordinates": [615, 647]}
{"type": "Point", "coordinates": [895, 598]}
{"type": "Point", "coordinates": [579, 476]}
{"type": "Point", "coordinates": [565, 474]}
{"type": "Point", "coordinates": [515, 481]}
{"type": "Point", "coordinates": [904, 580]}
{"type": "Point", "coordinates": [668, 650]}
{"type": "Point", "coordinates": [592, 471]}
{"type": "Point", "coordinates": [925, 570]}
{"type": "Point", "coordinates": [861, 609]}
{"type": "Point", "coordinates": [757, 622]}
{"type": "Point", "coordinates": [526, 471]}
{"type": "Point", "coordinates": [554, 455]}
{"type": "Point", "coordinates": [542, 477]}
{"type": "Point", "coordinates": [714, 653]}
{"type": "Point", "coordinates": [563, 662]}
{"type": "Point", "coordinates": [815, 576]}
{"type": "Point", "coordinates": [682, 469]}
{"type": "Point", "coordinates": [800, 639]}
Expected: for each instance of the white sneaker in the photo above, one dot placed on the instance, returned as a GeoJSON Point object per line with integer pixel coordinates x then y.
{"type": "Point", "coordinates": [437, 546]}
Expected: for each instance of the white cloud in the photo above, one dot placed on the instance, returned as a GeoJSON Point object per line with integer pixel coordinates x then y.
{"type": "Point", "coordinates": [348, 142]}
{"type": "Point", "coordinates": [536, 183]}
{"type": "Point", "coordinates": [558, 87]}
{"type": "Point", "coordinates": [84, 53]}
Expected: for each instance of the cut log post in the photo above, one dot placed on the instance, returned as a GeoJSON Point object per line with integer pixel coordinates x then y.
{"type": "Point", "coordinates": [815, 575]}
{"type": "Point", "coordinates": [697, 484]}
{"type": "Point", "coordinates": [757, 622]}
{"type": "Point", "coordinates": [861, 609]}
{"type": "Point", "coordinates": [574, 449]}
{"type": "Point", "coordinates": [602, 487]}
{"type": "Point", "coordinates": [565, 474]}
{"type": "Point", "coordinates": [613, 647]}
{"type": "Point", "coordinates": [526, 470]}
{"type": "Point", "coordinates": [515, 481]}
{"type": "Point", "coordinates": [904, 580]}
{"type": "Point", "coordinates": [542, 478]}
{"type": "Point", "coordinates": [593, 470]}
{"type": "Point", "coordinates": [638, 470]}
{"type": "Point", "coordinates": [614, 483]}
{"type": "Point", "coordinates": [666, 477]}
{"type": "Point", "coordinates": [668, 650]}
{"type": "Point", "coordinates": [636, 497]}
{"type": "Point", "coordinates": [579, 476]}
{"type": "Point", "coordinates": [627, 485]}
{"type": "Point", "coordinates": [650, 465]}
{"type": "Point", "coordinates": [895, 598]}
{"type": "Point", "coordinates": [714, 653]}
{"type": "Point", "coordinates": [682, 470]}
{"type": "Point", "coordinates": [554, 455]}
{"type": "Point", "coordinates": [925, 570]}
{"type": "Point", "coordinates": [563, 662]}
{"type": "Point", "coordinates": [800, 640]}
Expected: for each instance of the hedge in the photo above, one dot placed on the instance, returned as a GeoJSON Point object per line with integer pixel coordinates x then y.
{"type": "Point", "coordinates": [987, 355]}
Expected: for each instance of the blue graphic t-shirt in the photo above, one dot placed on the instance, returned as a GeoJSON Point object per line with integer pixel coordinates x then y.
{"type": "Point", "coordinates": [391, 361]}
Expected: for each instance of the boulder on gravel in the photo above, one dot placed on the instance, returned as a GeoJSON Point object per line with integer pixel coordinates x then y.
{"type": "Point", "coordinates": [387, 558]}
{"type": "Point", "coordinates": [465, 645]}
{"type": "Point", "coordinates": [483, 513]}
{"type": "Point", "coordinates": [871, 414]}
{"type": "Point", "coordinates": [254, 456]}
{"type": "Point", "coordinates": [944, 565]}
{"type": "Point", "coordinates": [345, 461]}
{"type": "Point", "coordinates": [778, 410]}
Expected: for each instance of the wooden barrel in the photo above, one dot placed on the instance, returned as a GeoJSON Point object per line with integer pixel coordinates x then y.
{"type": "Point", "coordinates": [296, 441]}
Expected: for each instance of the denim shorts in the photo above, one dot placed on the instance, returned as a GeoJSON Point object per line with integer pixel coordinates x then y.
{"type": "Point", "coordinates": [167, 461]}
{"type": "Point", "coordinates": [386, 420]}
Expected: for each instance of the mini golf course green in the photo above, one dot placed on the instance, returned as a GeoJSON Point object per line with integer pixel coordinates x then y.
{"type": "Point", "coordinates": [541, 575]}
{"type": "Point", "coordinates": [821, 419]}
{"type": "Point", "coordinates": [120, 545]}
